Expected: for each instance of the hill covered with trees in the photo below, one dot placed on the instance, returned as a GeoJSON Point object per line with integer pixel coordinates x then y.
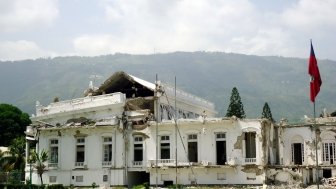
{"type": "Point", "coordinates": [282, 82]}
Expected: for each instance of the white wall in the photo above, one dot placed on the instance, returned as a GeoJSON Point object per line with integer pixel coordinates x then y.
{"type": "Point", "coordinates": [207, 176]}
{"type": "Point", "coordinates": [206, 152]}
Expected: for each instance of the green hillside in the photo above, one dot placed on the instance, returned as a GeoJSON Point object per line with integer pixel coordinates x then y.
{"type": "Point", "coordinates": [282, 82]}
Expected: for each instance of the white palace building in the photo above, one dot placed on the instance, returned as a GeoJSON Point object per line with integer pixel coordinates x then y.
{"type": "Point", "coordinates": [125, 133]}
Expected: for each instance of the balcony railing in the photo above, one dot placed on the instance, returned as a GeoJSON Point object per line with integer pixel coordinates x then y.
{"type": "Point", "coordinates": [137, 163]}
{"type": "Point", "coordinates": [332, 162]}
{"type": "Point", "coordinates": [162, 162]}
{"type": "Point", "coordinates": [52, 165]}
{"type": "Point", "coordinates": [106, 163]}
{"type": "Point", "coordinates": [80, 103]}
{"type": "Point", "coordinates": [250, 160]}
{"type": "Point", "coordinates": [79, 164]}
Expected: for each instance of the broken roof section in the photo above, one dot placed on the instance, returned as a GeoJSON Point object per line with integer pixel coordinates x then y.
{"type": "Point", "coordinates": [127, 84]}
{"type": "Point", "coordinates": [135, 87]}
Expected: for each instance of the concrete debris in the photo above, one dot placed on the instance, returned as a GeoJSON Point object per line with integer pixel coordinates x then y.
{"type": "Point", "coordinates": [329, 181]}
{"type": "Point", "coordinates": [79, 121]}
{"type": "Point", "coordinates": [295, 186]}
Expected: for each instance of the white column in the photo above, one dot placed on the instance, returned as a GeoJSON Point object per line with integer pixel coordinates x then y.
{"type": "Point", "coordinates": [27, 151]}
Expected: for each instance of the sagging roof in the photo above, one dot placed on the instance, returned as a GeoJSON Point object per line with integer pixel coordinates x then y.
{"type": "Point", "coordinates": [128, 84]}
{"type": "Point", "coordinates": [135, 87]}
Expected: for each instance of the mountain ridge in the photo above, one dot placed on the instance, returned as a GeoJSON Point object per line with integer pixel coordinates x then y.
{"type": "Point", "coordinates": [283, 82]}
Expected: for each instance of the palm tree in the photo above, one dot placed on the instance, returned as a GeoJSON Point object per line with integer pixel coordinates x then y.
{"type": "Point", "coordinates": [39, 159]}
{"type": "Point", "coordinates": [15, 159]}
{"type": "Point", "coordinates": [2, 160]}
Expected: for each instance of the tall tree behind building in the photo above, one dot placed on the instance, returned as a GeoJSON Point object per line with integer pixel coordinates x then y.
{"type": "Point", "coordinates": [266, 113]}
{"type": "Point", "coordinates": [236, 107]}
{"type": "Point", "coordinates": [13, 123]}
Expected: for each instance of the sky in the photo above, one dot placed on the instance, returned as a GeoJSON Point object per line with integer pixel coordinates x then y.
{"type": "Point", "coordinates": [49, 28]}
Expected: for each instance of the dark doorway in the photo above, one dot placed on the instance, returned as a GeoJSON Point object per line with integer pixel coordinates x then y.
{"type": "Point", "coordinates": [250, 145]}
{"type": "Point", "coordinates": [137, 178]}
{"type": "Point", "coordinates": [311, 175]}
{"type": "Point", "coordinates": [297, 153]}
{"type": "Point", "coordinates": [221, 152]}
{"type": "Point", "coordinates": [192, 151]}
{"type": "Point", "coordinates": [167, 183]}
{"type": "Point", "coordinates": [326, 173]}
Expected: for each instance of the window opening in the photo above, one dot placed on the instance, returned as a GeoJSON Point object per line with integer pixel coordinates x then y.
{"type": "Point", "coordinates": [138, 148]}
{"type": "Point", "coordinates": [165, 147]}
{"type": "Point", "coordinates": [107, 149]}
{"type": "Point", "coordinates": [53, 151]}
{"type": "Point", "coordinates": [297, 153]}
{"type": "Point", "coordinates": [221, 148]}
{"type": "Point", "coordinates": [192, 148]}
{"type": "Point", "coordinates": [80, 150]}
{"type": "Point", "coordinates": [250, 145]}
{"type": "Point", "coordinates": [329, 152]}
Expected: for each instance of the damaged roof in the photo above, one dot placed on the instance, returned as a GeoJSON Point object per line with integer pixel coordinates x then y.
{"type": "Point", "coordinates": [134, 87]}
{"type": "Point", "coordinates": [128, 84]}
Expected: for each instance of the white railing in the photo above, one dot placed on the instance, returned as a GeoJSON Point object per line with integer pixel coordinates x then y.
{"type": "Point", "coordinates": [188, 97]}
{"type": "Point", "coordinates": [329, 163]}
{"type": "Point", "coordinates": [162, 162]}
{"type": "Point", "coordinates": [80, 103]}
{"type": "Point", "coordinates": [79, 164]}
{"type": "Point", "coordinates": [52, 165]}
{"type": "Point", "coordinates": [137, 163]}
{"type": "Point", "coordinates": [250, 160]}
{"type": "Point", "coordinates": [106, 163]}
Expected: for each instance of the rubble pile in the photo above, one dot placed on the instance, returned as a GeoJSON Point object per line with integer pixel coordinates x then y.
{"type": "Point", "coordinates": [329, 182]}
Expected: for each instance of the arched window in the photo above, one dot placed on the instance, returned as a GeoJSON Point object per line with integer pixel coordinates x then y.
{"type": "Point", "coordinates": [328, 148]}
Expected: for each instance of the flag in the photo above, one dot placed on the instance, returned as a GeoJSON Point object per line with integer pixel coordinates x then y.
{"type": "Point", "coordinates": [315, 78]}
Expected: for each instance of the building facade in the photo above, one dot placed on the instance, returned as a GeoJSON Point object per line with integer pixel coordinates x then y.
{"type": "Point", "coordinates": [299, 158]}
{"type": "Point", "coordinates": [129, 131]}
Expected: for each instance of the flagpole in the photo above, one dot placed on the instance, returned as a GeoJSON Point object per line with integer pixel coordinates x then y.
{"type": "Point", "coordinates": [175, 139]}
{"type": "Point", "coordinates": [157, 129]}
{"type": "Point", "coordinates": [316, 154]}
{"type": "Point", "coordinates": [315, 84]}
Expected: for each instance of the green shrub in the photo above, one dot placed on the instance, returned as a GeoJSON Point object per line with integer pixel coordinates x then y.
{"type": "Point", "coordinates": [56, 186]}
{"type": "Point", "coordinates": [34, 186]}
{"type": "Point", "coordinates": [174, 186]}
{"type": "Point", "coordinates": [94, 185]}
{"type": "Point", "coordinates": [17, 186]}
{"type": "Point", "coordinates": [141, 186]}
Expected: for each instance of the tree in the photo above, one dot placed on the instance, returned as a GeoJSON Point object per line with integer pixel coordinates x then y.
{"type": "Point", "coordinates": [266, 113]}
{"type": "Point", "coordinates": [15, 159]}
{"type": "Point", "coordinates": [13, 123]}
{"type": "Point", "coordinates": [236, 107]}
{"type": "Point", "coordinates": [39, 159]}
{"type": "Point", "coordinates": [2, 160]}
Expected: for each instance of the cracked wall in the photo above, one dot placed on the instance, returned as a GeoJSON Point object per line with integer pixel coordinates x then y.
{"type": "Point", "coordinates": [253, 169]}
{"type": "Point", "coordinates": [239, 142]}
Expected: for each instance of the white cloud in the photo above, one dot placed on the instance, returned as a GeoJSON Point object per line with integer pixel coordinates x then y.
{"type": "Point", "coordinates": [90, 45]}
{"type": "Point", "coordinates": [233, 26]}
{"type": "Point", "coordinates": [145, 26]}
{"type": "Point", "coordinates": [170, 26]}
{"type": "Point", "coordinates": [19, 50]}
{"type": "Point", "coordinates": [16, 15]}
{"type": "Point", "coordinates": [311, 15]}
{"type": "Point", "coordinates": [270, 41]}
